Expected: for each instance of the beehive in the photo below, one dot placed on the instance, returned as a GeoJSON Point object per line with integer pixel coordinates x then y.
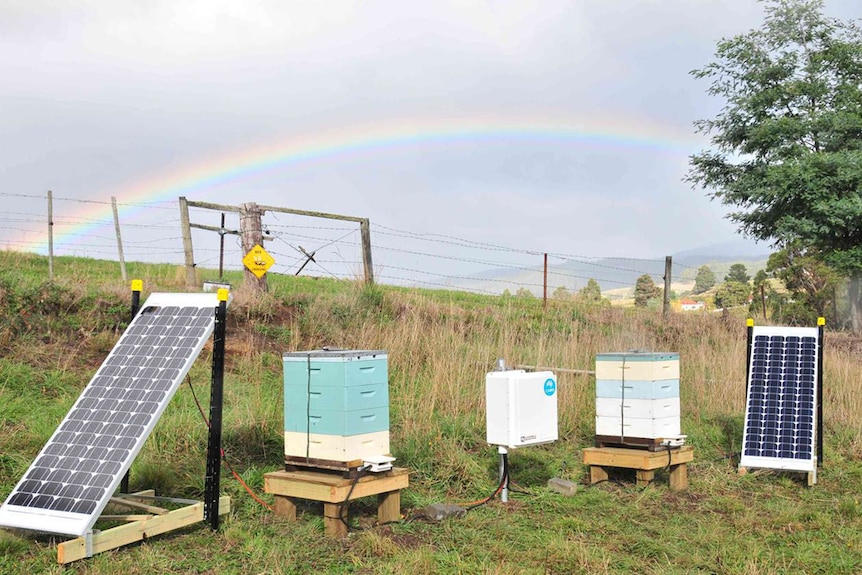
{"type": "Point", "coordinates": [637, 395]}
{"type": "Point", "coordinates": [336, 404]}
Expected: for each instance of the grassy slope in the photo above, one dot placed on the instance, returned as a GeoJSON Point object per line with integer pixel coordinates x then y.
{"type": "Point", "coordinates": [440, 344]}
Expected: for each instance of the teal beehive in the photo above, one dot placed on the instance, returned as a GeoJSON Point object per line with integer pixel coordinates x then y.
{"type": "Point", "coordinates": [336, 404]}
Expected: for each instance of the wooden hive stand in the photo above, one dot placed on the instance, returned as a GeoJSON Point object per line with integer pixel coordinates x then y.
{"type": "Point", "coordinates": [643, 461]}
{"type": "Point", "coordinates": [333, 490]}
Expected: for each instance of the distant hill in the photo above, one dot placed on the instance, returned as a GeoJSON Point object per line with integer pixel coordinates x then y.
{"type": "Point", "coordinates": [738, 250]}
{"type": "Point", "coordinates": [618, 273]}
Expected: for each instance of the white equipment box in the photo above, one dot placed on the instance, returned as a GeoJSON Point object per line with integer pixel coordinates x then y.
{"type": "Point", "coordinates": [521, 408]}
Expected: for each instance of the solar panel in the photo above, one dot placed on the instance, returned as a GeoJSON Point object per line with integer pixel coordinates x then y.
{"type": "Point", "coordinates": [781, 403]}
{"type": "Point", "coordinates": [75, 474]}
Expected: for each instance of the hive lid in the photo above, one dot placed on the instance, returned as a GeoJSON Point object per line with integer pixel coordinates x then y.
{"type": "Point", "coordinates": [638, 356]}
{"type": "Point", "coordinates": [335, 353]}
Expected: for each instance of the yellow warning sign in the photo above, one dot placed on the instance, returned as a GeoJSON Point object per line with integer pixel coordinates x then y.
{"type": "Point", "coordinates": [258, 261]}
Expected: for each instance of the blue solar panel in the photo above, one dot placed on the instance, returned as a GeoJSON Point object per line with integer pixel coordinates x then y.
{"type": "Point", "coordinates": [780, 411]}
{"type": "Point", "coordinates": [76, 473]}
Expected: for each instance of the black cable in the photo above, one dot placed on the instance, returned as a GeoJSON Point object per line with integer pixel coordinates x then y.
{"type": "Point", "coordinates": [343, 505]}
{"type": "Point", "coordinates": [504, 481]}
{"type": "Point", "coordinates": [308, 411]}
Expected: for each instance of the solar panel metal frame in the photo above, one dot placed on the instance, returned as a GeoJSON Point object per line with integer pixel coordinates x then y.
{"type": "Point", "coordinates": [789, 425]}
{"type": "Point", "coordinates": [78, 524]}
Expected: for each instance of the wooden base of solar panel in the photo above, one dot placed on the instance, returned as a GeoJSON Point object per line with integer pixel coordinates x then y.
{"type": "Point", "coordinates": [332, 490]}
{"type": "Point", "coordinates": [148, 522]}
{"type": "Point", "coordinates": [810, 476]}
{"type": "Point", "coordinates": [643, 461]}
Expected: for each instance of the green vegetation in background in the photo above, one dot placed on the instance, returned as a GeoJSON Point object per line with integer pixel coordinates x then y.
{"type": "Point", "coordinates": [440, 345]}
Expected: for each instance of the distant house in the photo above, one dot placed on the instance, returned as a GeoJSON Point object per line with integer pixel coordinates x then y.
{"type": "Point", "coordinates": [690, 305]}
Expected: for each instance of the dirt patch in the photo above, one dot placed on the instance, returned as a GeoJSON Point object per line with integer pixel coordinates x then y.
{"type": "Point", "coordinates": [403, 540]}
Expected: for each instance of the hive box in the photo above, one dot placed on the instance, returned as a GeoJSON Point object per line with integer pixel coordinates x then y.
{"type": "Point", "coordinates": [637, 395]}
{"type": "Point", "coordinates": [336, 404]}
{"type": "Point", "coordinates": [521, 407]}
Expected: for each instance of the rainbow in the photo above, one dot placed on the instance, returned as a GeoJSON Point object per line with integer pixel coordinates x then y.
{"type": "Point", "coordinates": [195, 181]}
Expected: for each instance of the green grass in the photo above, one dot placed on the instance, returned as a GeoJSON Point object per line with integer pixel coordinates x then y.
{"type": "Point", "coordinates": [54, 334]}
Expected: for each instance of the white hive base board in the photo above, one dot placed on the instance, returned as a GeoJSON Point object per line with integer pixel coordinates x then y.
{"type": "Point", "coordinates": [639, 408]}
{"type": "Point", "coordinates": [336, 447]}
{"type": "Point", "coordinates": [638, 427]}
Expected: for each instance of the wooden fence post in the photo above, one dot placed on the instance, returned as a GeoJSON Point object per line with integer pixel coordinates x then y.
{"type": "Point", "coordinates": [365, 233]}
{"type": "Point", "coordinates": [187, 242]}
{"type": "Point", "coordinates": [665, 308]}
{"type": "Point", "coordinates": [123, 273]}
{"type": "Point", "coordinates": [251, 235]}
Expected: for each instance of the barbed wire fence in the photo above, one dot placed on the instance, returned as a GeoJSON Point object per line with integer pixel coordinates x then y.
{"type": "Point", "coordinates": [152, 233]}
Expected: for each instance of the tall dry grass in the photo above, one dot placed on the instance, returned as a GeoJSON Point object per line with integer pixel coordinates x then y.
{"type": "Point", "coordinates": [439, 351]}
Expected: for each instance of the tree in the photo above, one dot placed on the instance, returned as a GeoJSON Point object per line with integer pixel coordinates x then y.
{"type": "Point", "coordinates": [645, 290]}
{"type": "Point", "coordinates": [704, 280]}
{"type": "Point", "coordinates": [591, 293]}
{"type": "Point", "coordinates": [737, 273]}
{"type": "Point", "coordinates": [786, 149]}
{"type": "Point", "coordinates": [561, 293]}
{"type": "Point", "coordinates": [809, 280]}
{"type": "Point", "coordinates": [731, 294]}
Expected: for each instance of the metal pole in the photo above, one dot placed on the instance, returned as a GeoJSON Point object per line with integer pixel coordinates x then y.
{"type": "Point", "coordinates": [221, 249]}
{"type": "Point", "coordinates": [123, 273]}
{"type": "Point", "coordinates": [137, 287]}
{"type": "Point", "coordinates": [545, 284]}
{"type": "Point", "coordinates": [50, 235]}
{"type": "Point", "coordinates": [821, 329]}
{"type": "Point", "coordinates": [214, 452]}
{"type": "Point", "coordinates": [749, 323]}
{"type": "Point", "coordinates": [504, 494]}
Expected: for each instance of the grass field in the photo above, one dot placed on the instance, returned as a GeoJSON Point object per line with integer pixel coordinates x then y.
{"type": "Point", "coordinates": [54, 335]}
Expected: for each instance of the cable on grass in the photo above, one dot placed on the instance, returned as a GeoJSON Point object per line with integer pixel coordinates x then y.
{"type": "Point", "coordinates": [504, 482]}
{"type": "Point", "coordinates": [223, 456]}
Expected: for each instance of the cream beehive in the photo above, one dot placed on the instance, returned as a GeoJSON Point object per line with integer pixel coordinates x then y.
{"type": "Point", "coordinates": [637, 395]}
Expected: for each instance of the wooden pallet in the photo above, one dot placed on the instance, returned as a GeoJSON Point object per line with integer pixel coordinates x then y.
{"type": "Point", "coordinates": [149, 520]}
{"type": "Point", "coordinates": [643, 461]}
{"type": "Point", "coordinates": [348, 469]}
{"type": "Point", "coordinates": [651, 444]}
{"type": "Point", "coordinates": [333, 491]}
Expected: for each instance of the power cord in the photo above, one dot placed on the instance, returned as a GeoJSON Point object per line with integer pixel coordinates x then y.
{"type": "Point", "coordinates": [342, 507]}
{"type": "Point", "coordinates": [221, 449]}
{"type": "Point", "coordinates": [504, 482]}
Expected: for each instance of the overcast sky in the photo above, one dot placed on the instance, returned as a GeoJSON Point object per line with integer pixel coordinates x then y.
{"type": "Point", "coordinates": [545, 126]}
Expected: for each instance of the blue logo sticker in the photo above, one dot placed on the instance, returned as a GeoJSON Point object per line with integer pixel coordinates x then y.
{"type": "Point", "coordinates": [550, 386]}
